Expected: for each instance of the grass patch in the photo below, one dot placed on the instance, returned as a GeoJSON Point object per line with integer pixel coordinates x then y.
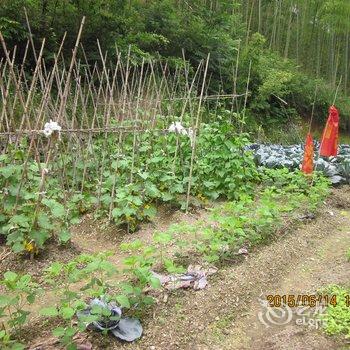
{"type": "Point", "coordinates": [337, 318]}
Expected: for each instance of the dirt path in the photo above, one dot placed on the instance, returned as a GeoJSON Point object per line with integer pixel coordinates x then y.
{"type": "Point", "coordinates": [225, 315]}
{"type": "Point", "coordinates": [323, 263]}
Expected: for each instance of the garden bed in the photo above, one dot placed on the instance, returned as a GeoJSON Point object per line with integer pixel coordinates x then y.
{"type": "Point", "coordinates": [219, 237]}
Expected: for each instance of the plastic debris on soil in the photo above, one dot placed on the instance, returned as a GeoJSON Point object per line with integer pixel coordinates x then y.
{"type": "Point", "coordinates": [243, 251]}
{"type": "Point", "coordinates": [195, 277]}
{"type": "Point", "coordinates": [278, 156]}
{"type": "Point", "coordinates": [125, 328]}
{"type": "Point", "coordinates": [307, 216]}
{"type": "Point", "coordinates": [129, 329]}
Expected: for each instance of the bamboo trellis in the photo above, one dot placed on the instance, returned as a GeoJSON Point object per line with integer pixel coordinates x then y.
{"type": "Point", "coordinates": [111, 96]}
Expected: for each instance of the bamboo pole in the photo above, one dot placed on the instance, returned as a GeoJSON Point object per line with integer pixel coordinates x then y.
{"type": "Point", "coordinates": [195, 135]}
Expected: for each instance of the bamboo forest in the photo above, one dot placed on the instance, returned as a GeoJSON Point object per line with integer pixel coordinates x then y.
{"type": "Point", "coordinates": [174, 174]}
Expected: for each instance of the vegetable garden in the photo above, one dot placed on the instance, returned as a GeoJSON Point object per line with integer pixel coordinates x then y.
{"type": "Point", "coordinates": [120, 146]}
{"type": "Point", "coordinates": [118, 141]}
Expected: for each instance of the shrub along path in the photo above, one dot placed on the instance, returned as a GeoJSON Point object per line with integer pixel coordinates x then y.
{"type": "Point", "coordinates": [224, 316]}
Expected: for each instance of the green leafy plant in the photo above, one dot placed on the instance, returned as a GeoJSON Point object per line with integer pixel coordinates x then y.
{"type": "Point", "coordinates": [29, 219]}
{"type": "Point", "coordinates": [223, 168]}
{"type": "Point", "coordinates": [91, 273]}
{"type": "Point", "coordinates": [337, 318]}
{"type": "Point", "coordinates": [93, 276]}
{"type": "Point", "coordinates": [20, 292]}
{"type": "Point", "coordinates": [131, 207]}
{"type": "Point", "coordinates": [159, 172]}
{"type": "Point", "coordinates": [247, 221]}
{"type": "Point", "coordinates": [138, 271]}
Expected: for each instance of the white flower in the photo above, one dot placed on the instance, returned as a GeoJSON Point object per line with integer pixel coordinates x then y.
{"type": "Point", "coordinates": [47, 133]}
{"type": "Point", "coordinates": [177, 128]}
{"type": "Point", "coordinates": [51, 127]}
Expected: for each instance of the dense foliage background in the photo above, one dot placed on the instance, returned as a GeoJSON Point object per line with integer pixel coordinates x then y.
{"type": "Point", "coordinates": [286, 48]}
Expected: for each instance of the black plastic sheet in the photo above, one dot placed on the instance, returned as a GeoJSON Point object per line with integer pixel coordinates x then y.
{"type": "Point", "coordinates": [124, 328]}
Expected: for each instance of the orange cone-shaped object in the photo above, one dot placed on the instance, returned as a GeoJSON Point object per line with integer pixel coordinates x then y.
{"type": "Point", "coordinates": [329, 142]}
{"type": "Point", "coordinates": [308, 162]}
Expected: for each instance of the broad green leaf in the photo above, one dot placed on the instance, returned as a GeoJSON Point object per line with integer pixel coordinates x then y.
{"type": "Point", "coordinates": [127, 288]}
{"type": "Point", "coordinates": [7, 171]}
{"type": "Point", "coordinates": [21, 317]}
{"type": "Point", "coordinates": [18, 247]}
{"type": "Point", "coordinates": [166, 197]}
{"type": "Point", "coordinates": [31, 298]}
{"type": "Point", "coordinates": [67, 312]}
{"type": "Point", "coordinates": [148, 300]}
{"type": "Point", "coordinates": [64, 236]}
{"type": "Point", "coordinates": [150, 211]}
{"type": "Point", "coordinates": [57, 209]}
{"type": "Point", "coordinates": [136, 200]}
{"type": "Point", "coordinates": [143, 175]}
{"type": "Point", "coordinates": [70, 331]}
{"type": "Point", "coordinates": [100, 310]}
{"type": "Point", "coordinates": [25, 279]}
{"type": "Point", "coordinates": [59, 332]}
{"type": "Point", "coordinates": [130, 260]}
{"type": "Point", "coordinates": [44, 221]}
{"type": "Point", "coordinates": [155, 282]}
{"type": "Point", "coordinates": [20, 220]}
{"type": "Point", "coordinates": [10, 276]}
{"type": "Point", "coordinates": [117, 213]}
{"type": "Point", "coordinates": [39, 237]}
{"type": "Point", "coordinates": [55, 268]}
{"type": "Point", "coordinates": [4, 300]}
{"type": "Point", "coordinates": [152, 190]}
{"type": "Point", "coordinates": [79, 305]}
{"type": "Point", "coordinates": [123, 301]}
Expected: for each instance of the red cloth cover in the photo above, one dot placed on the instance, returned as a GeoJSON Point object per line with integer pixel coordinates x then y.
{"type": "Point", "coordinates": [308, 162]}
{"type": "Point", "coordinates": [329, 142]}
